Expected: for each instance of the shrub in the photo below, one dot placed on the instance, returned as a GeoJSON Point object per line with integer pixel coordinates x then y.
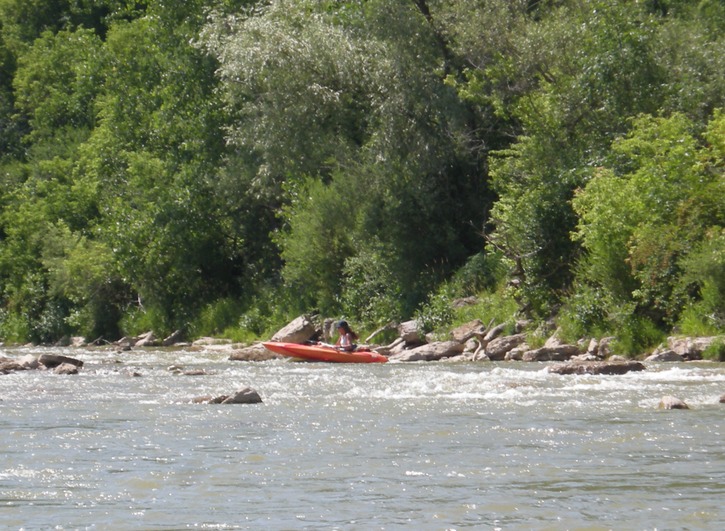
{"type": "Point", "coordinates": [716, 351]}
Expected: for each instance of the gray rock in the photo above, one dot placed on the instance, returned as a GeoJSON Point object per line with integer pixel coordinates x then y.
{"type": "Point", "coordinates": [561, 353]}
{"type": "Point", "coordinates": [593, 346]}
{"type": "Point", "coordinates": [430, 352]}
{"type": "Point", "coordinates": [665, 355]}
{"type": "Point", "coordinates": [53, 360]}
{"type": "Point", "coordinates": [605, 347]}
{"type": "Point", "coordinates": [497, 348]}
{"type": "Point", "coordinates": [66, 368]}
{"type": "Point", "coordinates": [9, 365]}
{"type": "Point", "coordinates": [244, 396]}
{"type": "Point", "coordinates": [517, 353]}
{"type": "Point", "coordinates": [298, 330]}
{"type": "Point", "coordinates": [29, 361]}
{"type": "Point", "coordinates": [596, 367]}
{"type": "Point", "coordinates": [691, 348]}
{"type": "Point", "coordinates": [467, 331]}
{"type": "Point", "coordinates": [255, 352]}
{"type": "Point", "coordinates": [494, 332]}
{"type": "Point", "coordinates": [396, 347]}
{"type": "Point", "coordinates": [410, 332]}
{"type": "Point", "coordinates": [211, 341]}
{"type": "Point", "coordinates": [173, 339]}
{"type": "Point", "coordinates": [146, 340]}
{"type": "Point", "coordinates": [671, 402]}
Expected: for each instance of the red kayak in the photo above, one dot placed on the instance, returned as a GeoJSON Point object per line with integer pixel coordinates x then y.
{"type": "Point", "coordinates": [324, 353]}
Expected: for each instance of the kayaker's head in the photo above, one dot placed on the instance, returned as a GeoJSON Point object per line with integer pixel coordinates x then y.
{"type": "Point", "coordinates": [345, 329]}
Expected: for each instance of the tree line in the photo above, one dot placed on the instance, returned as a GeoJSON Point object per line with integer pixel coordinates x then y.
{"type": "Point", "coordinates": [218, 166]}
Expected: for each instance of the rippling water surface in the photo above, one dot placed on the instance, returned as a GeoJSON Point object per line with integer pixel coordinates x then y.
{"type": "Point", "coordinates": [431, 446]}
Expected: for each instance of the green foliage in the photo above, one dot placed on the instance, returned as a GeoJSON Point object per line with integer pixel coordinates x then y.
{"type": "Point", "coordinates": [81, 271]}
{"type": "Point", "coordinates": [635, 227]}
{"type": "Point", "coordinates": [138, 319]}
{"type": "Point", "coordinates": [716, 351]}
{"type": "Point", "coordinates": [57, 80]}
{"type": "Point", "coordinates": [493, 306]}
{"type": "Point", "coordinates": [216, 317]}
{"type": "Point", "coordinates": [635, 335]}
{"type": "Point", "coordinates": [437, 312]}
{"type": "Point", "coordinates": [482, 271]}
{"type": "Point", "coordinates": [703, 279]}
{"type": "Point", "coordinates": [370, 293]}
{"type": "Point", "coordinates": [222, 165]}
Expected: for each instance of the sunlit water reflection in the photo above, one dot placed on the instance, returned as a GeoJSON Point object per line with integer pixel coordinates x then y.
{"type": "Point", "coordinates": [435, 446]}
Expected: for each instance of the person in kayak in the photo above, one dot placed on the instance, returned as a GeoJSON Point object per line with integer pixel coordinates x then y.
{"type": "Point", "coordinates": [347, 338]}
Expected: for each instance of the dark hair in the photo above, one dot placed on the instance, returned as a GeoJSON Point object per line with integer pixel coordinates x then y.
{"type": "Point", "coordinates": [346, 328]}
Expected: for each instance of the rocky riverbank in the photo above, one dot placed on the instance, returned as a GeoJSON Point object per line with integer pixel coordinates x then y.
{"type": "Point", "coordinates": [472, 342]}
{"type": "Point", "coordinates": [477, 342]}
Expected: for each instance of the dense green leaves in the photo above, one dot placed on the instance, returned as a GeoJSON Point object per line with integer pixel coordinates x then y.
{"type": "Point", "coordinates": [208, 164]}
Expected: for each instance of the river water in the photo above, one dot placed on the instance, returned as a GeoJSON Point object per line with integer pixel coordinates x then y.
{"type": "Point", "coordinates": [383, 446]}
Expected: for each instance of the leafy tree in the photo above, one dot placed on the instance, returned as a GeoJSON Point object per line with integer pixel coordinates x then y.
{"type": "Point", "coordinates": [352, 115]}
{"type": "Point", "coordinates": [636, 224]}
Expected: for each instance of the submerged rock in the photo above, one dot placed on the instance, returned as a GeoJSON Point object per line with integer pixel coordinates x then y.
{"type": "Point", "coordinates": [51, 361]}
{"type": "Point", "coordinates": [596, 367]}
{"type": "Point", "coordinates": [671, 402]}
{"type": "Point", "coordinates": [243, 396]}
{"type": "Point", "coordinates": [66, 368]}
{"type": "Point", "coordinates": [665, 356]}
{"type": "Point", "coordinates": [255, 352]}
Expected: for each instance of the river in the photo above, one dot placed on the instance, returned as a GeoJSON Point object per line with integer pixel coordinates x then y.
{"type": "Point", "coordinates": [429, 446]}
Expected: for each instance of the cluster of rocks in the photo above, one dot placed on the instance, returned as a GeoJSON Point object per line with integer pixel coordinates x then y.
{"type": "Point", "coordinates": [243, 396]}
{"type": "Point", "coordinates": [59, 364]}
{"type": "Point", "coordinates": [67, 365]}
{"type": "Point", "coordinates": [475, 341]}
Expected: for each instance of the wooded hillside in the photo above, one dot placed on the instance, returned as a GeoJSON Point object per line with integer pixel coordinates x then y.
{"type": "Point", "coordinates": [218, 166]}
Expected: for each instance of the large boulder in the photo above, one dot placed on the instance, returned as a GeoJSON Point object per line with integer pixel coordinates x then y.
{"type": "Point", "coordinates": [244, 396]}
{"type": "Point", "coordinates": [494, 332]}
{"type": "Point", "coordinates": [671, 402]}
{"type": "Point", "coordinates": [411, 332]}
{"type": "Point", "coordinates": [469, 330]}
{"type": "Point", "coordinates": [51, 361]}
{"type": "Point", "coordinates": [23, 363]}
{"type": "Point", "coordinates": [560, 353]}
{"type": "Point", "coordinates": [691, 348]}
{"type": "Point", "coordinates": [396, 347]}
{"type": "Point", "coordinates": [147, 340]}
{"type": "Point", "coordinates": [596, 367]}
{"type": "Point", "coordinates": [255, 352]}
{"type": "Point", "coordinates": [211, 342]}
{"type": "Point", "coordinates": [173, 339]}
{"type": "Point", "coordinates": [430, 352]}
{"type": "Point", "coordinates": [298, 330]}
{"type": "Point", "coordinates": [665, 355]}
{"type": "Point", "coordinates": [496, 349]}
{"type": "Point", "coordinates": [8, 365]}
{"type": "Point", "coordinates": [66, 368]}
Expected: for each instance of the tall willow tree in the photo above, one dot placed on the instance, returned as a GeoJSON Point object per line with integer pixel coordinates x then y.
{"type": "Point", "coordinates": [344, 108]}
